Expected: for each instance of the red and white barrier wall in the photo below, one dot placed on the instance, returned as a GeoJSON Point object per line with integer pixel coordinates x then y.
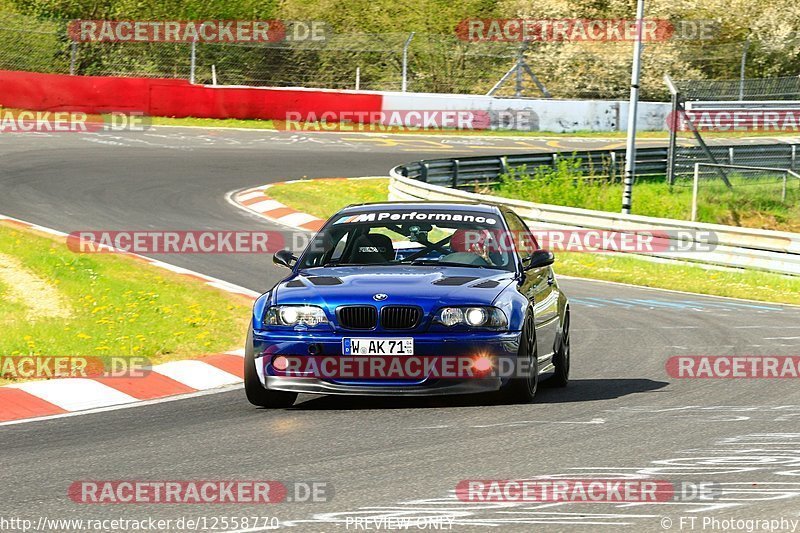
{"type": "Point", "coordinates": [179, 98]}
{"type": "Point", "coordinates": [170, 98]}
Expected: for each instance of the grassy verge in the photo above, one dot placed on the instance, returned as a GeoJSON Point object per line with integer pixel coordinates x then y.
{"type": "Point", "coordinates": [115, 306]}
{"type": "Point", "coordinates": [753, 201]}
{"type": "Point", "coordinates": [748, 284]}
{"type": "Point", "coordinates": [324, 197]}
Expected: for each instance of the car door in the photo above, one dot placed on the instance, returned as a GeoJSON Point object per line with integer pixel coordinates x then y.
{"type": "Point", "coordinates": [539, 287]}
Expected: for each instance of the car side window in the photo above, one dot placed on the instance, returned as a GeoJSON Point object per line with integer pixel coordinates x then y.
{"type": "Point", "coordinates": [523, 239]}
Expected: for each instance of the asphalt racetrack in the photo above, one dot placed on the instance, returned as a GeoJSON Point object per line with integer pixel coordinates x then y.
{"type": "Point", "coordinates": [622, 415]}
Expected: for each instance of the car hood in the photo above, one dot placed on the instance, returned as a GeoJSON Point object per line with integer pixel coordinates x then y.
{"type": "Point", "coordinates": [426, 286]}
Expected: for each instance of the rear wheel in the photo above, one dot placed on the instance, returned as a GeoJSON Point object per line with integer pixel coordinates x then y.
{"type": "Point", "coordinates": [561, 360]}
{"type": "Point", "coordinates": [523, 389]}
{"type": "Point", "coordinates": [255, 391]}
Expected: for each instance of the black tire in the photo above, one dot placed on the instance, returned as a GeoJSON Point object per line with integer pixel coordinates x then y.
{"type": "Point", "coordinates": [523, 389]}
{"type": "Point", "coordinates": [561, 360]}
{"type": "Point", "coordinates": [255, 391]}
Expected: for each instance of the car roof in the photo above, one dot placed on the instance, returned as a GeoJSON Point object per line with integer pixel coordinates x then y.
{"type": "Point", "coordinates": [426, 206]}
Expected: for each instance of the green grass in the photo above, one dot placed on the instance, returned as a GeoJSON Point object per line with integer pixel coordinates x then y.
{"type": "Point", "coordinates": [119, 307]}
{"type": "Point", "coordinates": [748, 205]}
{"type": "Point", "coordinates": [748, 284]}
{"type": "Point", "coordinates": [324, 197]}
{"type": "Point", "coordinates": [214, 123]}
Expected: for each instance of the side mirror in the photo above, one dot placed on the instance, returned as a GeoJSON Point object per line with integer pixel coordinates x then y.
{"type": "Point", "coordinates": [539, 259]}
{"type": "Point", "coordinates": [284, 258]}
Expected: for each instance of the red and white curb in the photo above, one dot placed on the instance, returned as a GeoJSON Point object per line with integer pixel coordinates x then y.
{"type": "Point", "coordinates": [257, 201]}
{"type": "Point", "coordinates": [34, 399]}
{"type": "Point", "coordinates": [47, 398]}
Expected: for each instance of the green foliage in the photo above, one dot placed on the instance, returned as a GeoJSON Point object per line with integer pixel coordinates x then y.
{"type": "Point", "coordinates": [751, 202]}
{"type": "Point", "coordinates": [438, 61]}
{"type": "Point", "coordinates": [146, 9]}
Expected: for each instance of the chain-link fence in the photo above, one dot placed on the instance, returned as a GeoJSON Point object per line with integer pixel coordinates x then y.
{"type": "Point", "coordinates": [435, 63]}
{"type": "Point", "coordinates": [746, 89]}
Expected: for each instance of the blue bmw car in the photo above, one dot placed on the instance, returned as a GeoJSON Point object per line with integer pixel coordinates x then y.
{"type": "Point", "coordinates": [402, 283]}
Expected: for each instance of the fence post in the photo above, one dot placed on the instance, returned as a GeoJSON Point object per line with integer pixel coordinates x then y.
{"type": "Point", "coordinates": [741, 71]}
{"type": "Point", "coordinates": [694, 191]}
{"type": "Point", "coordinates": [613, 169]}
{"type": "Point", "coordinates": [783, 192]}
{"type": "Point", "coordinates": [193, 61]}
{"type": "Point", "coordinates": [73, 56]}
{"type": "Point", "coordinates": [405, 61]}
{"type": "Point", "coordinates": [672, 124]}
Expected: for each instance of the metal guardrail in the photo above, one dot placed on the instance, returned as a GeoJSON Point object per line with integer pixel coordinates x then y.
{"type": "Point", "coordinates": [468, 172]}
{"type": "Point", "coordinates": [445, 179]}
{"type": "Point", "coordinates": [485, 170]}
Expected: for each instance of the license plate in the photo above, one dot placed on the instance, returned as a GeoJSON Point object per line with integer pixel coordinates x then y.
{"type": "Point", "coordinates": [377, 346]}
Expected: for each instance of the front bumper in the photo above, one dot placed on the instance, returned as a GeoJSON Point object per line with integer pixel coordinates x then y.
{"type": "Point", "coordinates": [491, 344]}
{"type": "Point", "coordinates": [438, 387]}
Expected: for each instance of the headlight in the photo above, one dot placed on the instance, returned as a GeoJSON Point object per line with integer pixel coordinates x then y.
{"type": "Point", "coordinates": [476, 317]}
{"type": "Point", "coordinates": [295, 315]}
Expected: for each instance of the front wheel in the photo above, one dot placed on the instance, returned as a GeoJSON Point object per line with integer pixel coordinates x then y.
{"type": "Point", "coordinates": [561, 360]}
{"type": "Point", "coordinates": [255, 391]}
{"type": "Point", "coordinates": [523, 389]}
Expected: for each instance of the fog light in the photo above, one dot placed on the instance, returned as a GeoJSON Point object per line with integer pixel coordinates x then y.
{"type": "Point", "coordinates": [482, 364]}
{"type": "Point", "coordinates": [280, 363]}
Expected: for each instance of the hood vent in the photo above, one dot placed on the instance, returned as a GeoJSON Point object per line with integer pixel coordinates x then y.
{"type": "Point", "coordinates": [295, 283]}
{"type": "Point", "coordinates": [324, 280]}
{"type": "Point", "coordinates": [453, 281]}
{"type": "Point", "coordinates": [488, 284]}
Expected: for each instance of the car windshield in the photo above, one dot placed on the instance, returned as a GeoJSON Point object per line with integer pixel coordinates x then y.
{"type": "Point", "coordinates": [411, 237]}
